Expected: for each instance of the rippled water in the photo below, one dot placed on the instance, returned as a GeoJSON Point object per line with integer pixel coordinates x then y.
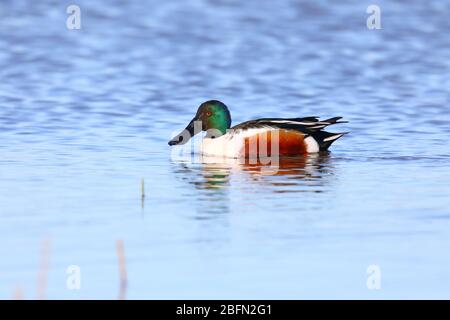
{"type": "Point", "coordinates": [86, 114]}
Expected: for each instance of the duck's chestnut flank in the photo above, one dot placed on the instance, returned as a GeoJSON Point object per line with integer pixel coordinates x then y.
{"type": "Point", "coordinates": [275, 142]}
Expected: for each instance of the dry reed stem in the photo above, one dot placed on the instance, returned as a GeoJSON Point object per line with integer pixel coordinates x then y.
{"type": "Point", "coordinates": [44, 265]}
{"type": "Point", "coordinates": [122, 268]}
{"type": "Point", "coordinates": [18, 293]}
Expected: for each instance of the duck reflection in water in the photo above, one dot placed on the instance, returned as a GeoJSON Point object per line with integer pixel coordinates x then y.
{"type": "Point", "coordinates": [302, 173]}
{"type": "Point", "coordinates": [222, 184]}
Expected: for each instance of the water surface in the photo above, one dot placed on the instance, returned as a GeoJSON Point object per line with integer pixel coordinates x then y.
{"type": "Point", "coordinates": [86, 114]}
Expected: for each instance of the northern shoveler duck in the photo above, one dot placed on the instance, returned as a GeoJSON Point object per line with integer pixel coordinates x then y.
{"type": "Point", "coordinates": [286, 137]}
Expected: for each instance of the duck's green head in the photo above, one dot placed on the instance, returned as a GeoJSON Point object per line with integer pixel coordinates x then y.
{"type": "Point", "coordinates": [212, 116]}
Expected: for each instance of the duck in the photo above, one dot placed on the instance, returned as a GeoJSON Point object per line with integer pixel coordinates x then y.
{"type": "Point", "coordinates": [254, 138]}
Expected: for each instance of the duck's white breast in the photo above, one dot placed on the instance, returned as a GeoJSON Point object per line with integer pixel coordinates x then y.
{"type": "Point", "coordinates": [229, 145]}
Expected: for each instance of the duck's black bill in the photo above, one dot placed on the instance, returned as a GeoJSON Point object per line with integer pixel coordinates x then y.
{"type": "Point", "coordinates": [185, 135]}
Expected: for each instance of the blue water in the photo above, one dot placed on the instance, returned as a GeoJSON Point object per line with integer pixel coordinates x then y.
{"type": "Point", "coordinates": [86, 114]}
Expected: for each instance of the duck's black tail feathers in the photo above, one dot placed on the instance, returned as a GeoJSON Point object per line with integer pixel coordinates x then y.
{"type": "Point", "coordinates": [325, 139]}
{"type": "Point", "coordinates": [335, 120]}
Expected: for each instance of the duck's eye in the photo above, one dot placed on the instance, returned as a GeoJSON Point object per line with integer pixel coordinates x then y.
{"type": "Point", "coordinates": [208, 113]}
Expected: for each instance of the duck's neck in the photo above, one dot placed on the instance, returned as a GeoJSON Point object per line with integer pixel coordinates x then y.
{"type": "Point", "coordinates": [218, 125]}
{"type": "Point", "coordinates": [216, 132]}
